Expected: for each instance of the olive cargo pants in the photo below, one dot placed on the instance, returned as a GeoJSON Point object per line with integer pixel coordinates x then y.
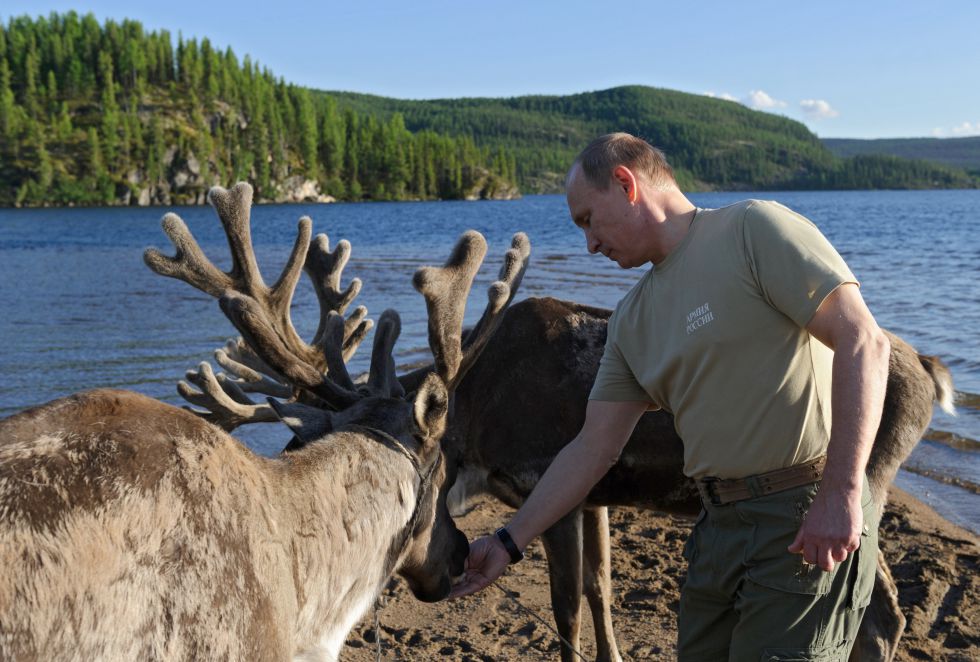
{"type": "Point", "coordinates": [746, 598]}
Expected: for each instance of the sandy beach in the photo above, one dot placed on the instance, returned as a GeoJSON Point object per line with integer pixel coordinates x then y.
{"type": "Point", "coordinates": [935, 565]}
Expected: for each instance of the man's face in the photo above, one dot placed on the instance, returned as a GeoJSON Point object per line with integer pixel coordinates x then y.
{"type": "Point", "coordinates": [607, 218]}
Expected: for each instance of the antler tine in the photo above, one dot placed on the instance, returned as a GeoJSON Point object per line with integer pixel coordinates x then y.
{"type": "Point", "coordinates": [499, 295]}
{"type": "Point", "coordinates": [332, 345]}
{"type": "Point", "coordinates": [249, 380]}
{"type": "Point", "coordinates": [282, 291]}
{"type": "Point", "coordinates": [324, 267]}
{"type": "Point", "coordinates": [445, 290]}
{"type": "Point", "coordinates": [228, 407]}
{"type": "Point", "coordinates": [251, 321]}
{"type": "Point", "coordinates": [238, 350]}
{"type": "Point", "coordinates": [189, 264]}
{"type": "Point", "coordinates": [234, 208]}
{"type": "Point", "coordinates": [382, 378]}
{"type": "Point", "coordinates": [356, 328]}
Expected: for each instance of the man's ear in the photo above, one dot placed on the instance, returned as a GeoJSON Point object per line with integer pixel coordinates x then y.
{"type": "Point", "coordinates": [432, 407]}
{"type": "Point", "coordinates": [626, 180]}
{"type": "Point", "coordinates": [307, 423]}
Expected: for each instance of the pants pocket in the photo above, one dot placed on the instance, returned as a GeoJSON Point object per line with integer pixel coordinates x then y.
{"type": "Point", "coordinates": [776, 521]}
{"type": "Point", "coordinates": [865, 565]}
{"type": "Point", "coordinates": [691, 544]}
{"type": "Point", "coordinates": [820, 654]}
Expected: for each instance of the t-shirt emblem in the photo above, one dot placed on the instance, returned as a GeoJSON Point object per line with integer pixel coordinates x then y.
{"type": "Point", "coordinates": [699, 317]}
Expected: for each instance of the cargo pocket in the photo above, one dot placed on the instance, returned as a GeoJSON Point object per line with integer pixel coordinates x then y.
{"type": "Point", "coordinates": [837, 653]}
{"type": "Point", "coordinates": [776, 520]}
{"type": "Point", "coordinates": [691, 544]}
{"type": "Point", "coordinates": [861, 581]}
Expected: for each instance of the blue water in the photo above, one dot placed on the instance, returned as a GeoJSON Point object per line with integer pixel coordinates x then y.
{"type": "Point", "coordinates": [78, 308]}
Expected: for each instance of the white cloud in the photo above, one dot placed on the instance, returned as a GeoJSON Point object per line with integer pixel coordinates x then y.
{"type": "Point", "coordinates": [724, 95]}
{"type": "Point", "coordinates": [959, 131]}
{"type": "Point", "coordinates": [759, 100]}
{"type": "Point", "coordinates": [817, 109]}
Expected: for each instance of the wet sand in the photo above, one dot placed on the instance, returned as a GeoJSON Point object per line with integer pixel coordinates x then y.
{"type": "Point", "coordinates": [935, 564]}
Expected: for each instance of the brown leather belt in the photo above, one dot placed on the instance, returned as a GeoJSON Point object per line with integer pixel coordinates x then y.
{"type": "Point", "coordinates": [720, 491]}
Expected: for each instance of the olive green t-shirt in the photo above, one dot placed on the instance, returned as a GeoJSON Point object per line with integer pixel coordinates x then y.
{"type": "Point", "coordinates": [716, 335]}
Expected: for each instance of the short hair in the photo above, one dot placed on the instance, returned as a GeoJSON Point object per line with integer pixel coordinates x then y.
{"type": "Point", "coordinates": [603, 154]}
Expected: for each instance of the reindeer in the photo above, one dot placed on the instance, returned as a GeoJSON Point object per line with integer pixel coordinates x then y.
{"type": "Point", "coordinates": [131, 529]}
{"type": "Point", "coordinates": [525, 399]}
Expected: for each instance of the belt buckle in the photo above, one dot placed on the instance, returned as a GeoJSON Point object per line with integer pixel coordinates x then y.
{"type": "Point", "coordinates": [708, 484]}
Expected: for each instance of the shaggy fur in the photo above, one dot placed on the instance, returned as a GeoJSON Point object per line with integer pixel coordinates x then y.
{"type": "Point", "coordinates": [131, 529]}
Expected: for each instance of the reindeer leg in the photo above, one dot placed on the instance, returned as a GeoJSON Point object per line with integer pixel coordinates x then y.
{"type": "Point", "coordinates": [598, 581]}
{"type": "Point", "coordinates": [883, 622]}
{"type": "Point", "coordinates": [563, 545]}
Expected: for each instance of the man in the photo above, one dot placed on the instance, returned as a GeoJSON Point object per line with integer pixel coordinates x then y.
{"type": "Point", "coordinates": [750, 329]}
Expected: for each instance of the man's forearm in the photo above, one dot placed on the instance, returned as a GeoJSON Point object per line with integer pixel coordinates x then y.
{"type": "Point", "coordinates": [577, 468]}
{"type": "Point", "coordinates": [566, 483]}
{"type": "Point", "coordinates": [860, 374]}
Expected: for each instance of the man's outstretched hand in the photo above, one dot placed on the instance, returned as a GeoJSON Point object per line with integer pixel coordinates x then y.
{"type": "Point", "coordinates": [487, 561]}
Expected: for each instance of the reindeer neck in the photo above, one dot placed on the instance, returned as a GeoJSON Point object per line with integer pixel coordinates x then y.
{"type": "Point", "coordinates": [349, 500]}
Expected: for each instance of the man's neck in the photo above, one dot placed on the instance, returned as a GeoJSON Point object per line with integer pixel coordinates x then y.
{"type": "Point", "coordinates": [672, 222]}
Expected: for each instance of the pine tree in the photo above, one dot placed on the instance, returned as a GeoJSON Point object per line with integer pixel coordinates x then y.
{"type": "Point", "coordinates": [307, 133]}
{"type": "Point", "coordinates": [8, 111]}
{"type": "Point", "coordinates": [110, 109]}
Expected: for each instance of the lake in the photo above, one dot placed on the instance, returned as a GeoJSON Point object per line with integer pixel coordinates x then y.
{"type": "Point", "coordinates": [81, 310]}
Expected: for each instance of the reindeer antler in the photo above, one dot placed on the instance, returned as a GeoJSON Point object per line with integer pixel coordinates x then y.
{"type": "Point", "coordinates": [270, 357]}
{"type": "Point", "coordinates": [446, 289]}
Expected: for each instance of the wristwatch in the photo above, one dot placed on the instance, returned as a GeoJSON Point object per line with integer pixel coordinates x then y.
{"type": "Point", "coordinates": [504, 537]}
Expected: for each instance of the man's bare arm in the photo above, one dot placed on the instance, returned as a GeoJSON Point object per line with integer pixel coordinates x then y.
{"type": "Point", "coordinates": [566, 483]}
{"type": "Point", "coordinates": [832, 527]}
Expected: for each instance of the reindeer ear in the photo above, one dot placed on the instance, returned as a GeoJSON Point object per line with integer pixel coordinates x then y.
{"type": "Point", "coordinates": [431, 407]}
{"type": "Point", "coordinates": [307, 423]}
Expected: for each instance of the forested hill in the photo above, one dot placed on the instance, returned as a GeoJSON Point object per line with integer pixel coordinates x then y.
{"type": "Point", "coordinates": [712, 143]}
{"type": "Point", "coordinates": [956, 152]}
{"type": "Point", "coordinates": [112, 114]}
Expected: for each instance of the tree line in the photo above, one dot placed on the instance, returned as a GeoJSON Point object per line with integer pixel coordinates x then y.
{"type": "Point", "coordinates": [105, 113]}
{"type": "Point", "coordinates": [711, 143]}
{"type": "Point", "coordinates": [93, 113]}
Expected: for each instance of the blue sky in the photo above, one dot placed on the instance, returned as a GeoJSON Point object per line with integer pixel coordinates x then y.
{"type": "Point", "coordinates": [861, 69]}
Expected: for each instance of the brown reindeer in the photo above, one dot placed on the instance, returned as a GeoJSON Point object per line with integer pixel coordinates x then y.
{"type": "Point", "coordinates": [525, 399]}
{"type": "Point", "coordinates": [130, 529]}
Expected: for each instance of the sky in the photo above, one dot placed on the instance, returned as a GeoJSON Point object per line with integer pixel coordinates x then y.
{"type": "Point", "coordinates": [856, 69]}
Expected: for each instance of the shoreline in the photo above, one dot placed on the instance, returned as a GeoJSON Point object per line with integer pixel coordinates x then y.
{"type": "Point", "coordinates": [935, 563]}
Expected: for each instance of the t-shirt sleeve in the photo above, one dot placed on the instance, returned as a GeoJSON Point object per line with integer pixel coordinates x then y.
{"type": "Point", "coordinates": [792, 262]}
{"type": "Point", "coordinates": [615, 382]}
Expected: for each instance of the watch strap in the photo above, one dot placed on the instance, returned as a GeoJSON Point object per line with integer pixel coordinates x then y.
{"type": "Point", "coordinates": [503, 535]}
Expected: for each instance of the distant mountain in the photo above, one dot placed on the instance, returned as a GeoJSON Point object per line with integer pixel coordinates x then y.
{"type": "Point", "coordinates": [712, 143]}
{"type": "Point", "coordinates": [955, 152]}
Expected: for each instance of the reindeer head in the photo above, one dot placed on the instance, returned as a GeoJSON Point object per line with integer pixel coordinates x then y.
{"type": "Point", "coordinates": [310, 388]}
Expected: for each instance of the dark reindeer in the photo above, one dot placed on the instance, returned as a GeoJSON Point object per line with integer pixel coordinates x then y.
{"type": "Point", "coordinates": [136, 530]}
{"type": "Point", "coordinates": [525, 399]}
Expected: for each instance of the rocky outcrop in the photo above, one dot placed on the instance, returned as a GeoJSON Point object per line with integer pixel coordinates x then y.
{"type": "Point", "coordinates": [489, 186]}
{"type": "Point", "coordinates": [298, 189]}
{"type": "Point", "coordinates": [188, 180]}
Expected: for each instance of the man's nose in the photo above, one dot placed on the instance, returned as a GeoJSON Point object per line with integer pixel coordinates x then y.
{"type": "Point", "coordinates": [591, 243]}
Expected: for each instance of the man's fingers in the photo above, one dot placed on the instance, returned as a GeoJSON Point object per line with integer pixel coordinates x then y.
{"type": "Point", "coordinates": [471, 584]}
{"type": "Point", "coordinates": [796, 547]}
